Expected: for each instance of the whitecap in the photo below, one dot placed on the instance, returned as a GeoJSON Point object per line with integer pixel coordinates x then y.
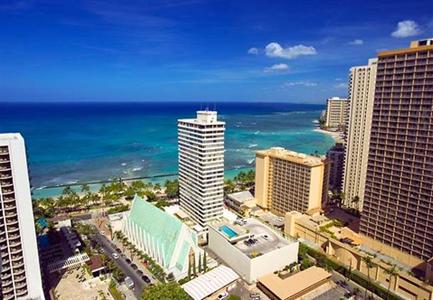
{"type": "Point", "coordinates": [137, 169]}
{"type": "Point", "coordinates": [252, 145]}
{"type": "Point", "coordinates": [123, 164]}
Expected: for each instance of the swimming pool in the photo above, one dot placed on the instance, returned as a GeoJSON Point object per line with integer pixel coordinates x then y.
{"type": "Point", "coordinates": [228, 231]}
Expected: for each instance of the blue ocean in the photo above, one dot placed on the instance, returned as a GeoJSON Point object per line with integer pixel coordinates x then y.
{"type": "Point", "coordinates": [79, 142]}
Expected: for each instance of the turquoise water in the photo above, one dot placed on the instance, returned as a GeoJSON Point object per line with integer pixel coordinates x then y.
{"type": "Point", "coordinates": [228, 231]}
{"type": "Point", "coordinates": [70, 143]}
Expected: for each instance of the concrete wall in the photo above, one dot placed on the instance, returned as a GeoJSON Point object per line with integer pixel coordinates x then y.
{"type": "Point", "coordinates": [316, 186]}
{"type": "Point", "coordinates": [272, 261]}
{"type": "Point", "coordinates": [247, 268]}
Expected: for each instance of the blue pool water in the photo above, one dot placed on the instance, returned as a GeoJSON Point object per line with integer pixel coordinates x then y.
{"type": "Point", "coordinates": [228, 231]}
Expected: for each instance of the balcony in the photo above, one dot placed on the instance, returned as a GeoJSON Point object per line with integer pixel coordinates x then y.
{"type": "Point", "coordinates": [19, 271]}
{"type": "Point", "coordinates": [22, 292]}
{"type": "Point", "coordinates": [15, 251]}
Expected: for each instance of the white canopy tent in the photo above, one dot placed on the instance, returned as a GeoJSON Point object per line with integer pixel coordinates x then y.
{"type": "Point", "coordinates": [210, 282]}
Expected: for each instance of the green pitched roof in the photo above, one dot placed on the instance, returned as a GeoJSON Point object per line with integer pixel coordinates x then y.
{"type": "Point", "coordinates": [157, 223]}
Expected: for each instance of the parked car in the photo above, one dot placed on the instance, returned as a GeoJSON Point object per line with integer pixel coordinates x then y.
{"type": "Point", "coordinates": [223, 296]}
{"type": "Point", "coordinates": [115, 255]}
{"type": "Point", "coordinates": [129, 283]}
{"type": "Point", "coordinates": [128, 260]}
{"type": "Point", "coordinates": [254, 296]}
{"type": "Point", "coordinates": [134, 266]}
{"type": "Point", "coordinates": [145, 279]}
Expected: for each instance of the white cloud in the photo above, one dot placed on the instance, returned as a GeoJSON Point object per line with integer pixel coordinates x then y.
{"type": "Point", "coordinates": [406, 28]}
{"type": "Point", "coordinates": [299, 83]}
{"type": "Point", "coordinates": [253, 51]}
{"type": "Point", "coordinates": [341, 85]}
{"type": "Point", "coordinates": [277, 68]}
{"type": "Point", "coordinates": [275, 50]}
{"type": "Point", "coordinates": [357, 42]}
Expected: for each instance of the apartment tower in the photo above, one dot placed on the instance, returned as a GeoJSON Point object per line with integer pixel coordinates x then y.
{"type": "Point", "coordinates": [362, 82]}
{"type": "Point", "coordinates": [335, 156]}
{"type": "Point", "coordinates": [20, 270]}
{"type": "Point", "coordinates": [287, 181]}
{"type": "Point", "coordinates": [398, 205]}
{"type": "Point", "coordinates": [201, 166]}
{"type": "Point", "coordinates": [336, 112]}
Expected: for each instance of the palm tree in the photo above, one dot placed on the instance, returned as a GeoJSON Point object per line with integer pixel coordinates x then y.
{"type": "Point", "coordinates": [391, 272]}
{"type": "Point", "coordinates": [356, 201]}
{"type": "Point", "coordinates": [368, 261]}
{"type": "Point", "coordinates": [85, 188]}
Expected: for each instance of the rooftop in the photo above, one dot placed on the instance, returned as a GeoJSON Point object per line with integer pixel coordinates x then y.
{"type": "Point", "coordinates": [159, 226]}
{"type": "Point", "coordinates": [337, 99]}
{"type": "Point", "coordinates": [295, 157]}
{"type": "Point", "coordinates": [252, 238]}
{"type": "Point", "coordinates": [210, 282]}
{"type": "Point", "coordinates": [290, 287]}
{"type": "Point", "coordinates": [204, 117]}
{"type": "Point", "coordinates": [241, 196]}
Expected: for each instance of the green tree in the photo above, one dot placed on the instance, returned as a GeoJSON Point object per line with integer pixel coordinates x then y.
{"type": "Point", "coordinates": [85, 188]}
{"type": "Point", "coordinates": [229, 186]}
{"type": "Point", "coordinates": [165, 291]}
{"type": "Point", "coordinates": [368, 261]}
{"type": "Point", "coordinates": [391, 272]}
{"type": "Point", "coordinates": [172, 188]}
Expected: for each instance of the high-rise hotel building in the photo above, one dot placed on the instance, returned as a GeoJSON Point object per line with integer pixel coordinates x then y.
{"type": "Point", "coordinates": [362, 82]}
{"type": "Point", "coordinates": [398, 205]}
{"type": "Point", "coordinates": [20, 270]}
{"type": "Point", "coordinates": [287, 181]}
{"type": "Point", "coordinates": [336, 112]}
{"type": "Point", "coordinates": [201, 166]}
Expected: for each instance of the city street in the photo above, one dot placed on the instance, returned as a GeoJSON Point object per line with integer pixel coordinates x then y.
{"type": "Point", "coordinates": [109, 248]}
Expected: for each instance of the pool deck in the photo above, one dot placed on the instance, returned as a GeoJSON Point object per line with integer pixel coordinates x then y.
{"type": "Point", "coordinates": [267, 239]}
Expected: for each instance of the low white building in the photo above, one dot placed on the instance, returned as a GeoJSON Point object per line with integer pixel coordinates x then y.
{"type": "Point", "coordinates": [253, 249]}
{"type": "Point", "coordinates": [210, 283]}
{"type": "Point", "coordinates": [238, 200]}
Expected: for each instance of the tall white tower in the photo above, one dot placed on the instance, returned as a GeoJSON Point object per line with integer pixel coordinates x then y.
{"type": "Point", "coordinates": [362, 84]}
{"type": "Point", "coordinates": [20, 270]}
{"type": "Point", "coordinates": [201, 166]}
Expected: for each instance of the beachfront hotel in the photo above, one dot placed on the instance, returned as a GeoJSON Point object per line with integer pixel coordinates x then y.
{"type": "Point", "coordinates": [286, 181]}
{"type": "Point", "coordinates": [336, 112]}
{"type": "Point", "coordinates": [171, 243]}
{"type": "Point", "coordinates": [20, 270]}
{"type": "Point", "coordinates": [362, 83]}
{"type": "Point", "coordinates": [201, 166]}
{"type": "Point", "coordinates": [398, 204]}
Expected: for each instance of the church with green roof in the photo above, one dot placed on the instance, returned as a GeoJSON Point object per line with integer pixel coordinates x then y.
{"type": "Point", "coordinates": [162, 236]}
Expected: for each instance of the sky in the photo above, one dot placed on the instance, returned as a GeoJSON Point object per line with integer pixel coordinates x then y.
{"type": "Point", "coordinates": [193, 50]}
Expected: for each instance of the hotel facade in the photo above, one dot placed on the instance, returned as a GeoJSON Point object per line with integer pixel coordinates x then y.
{"type": "Point", "coordinates": [362, 82]}
{"type": "Point", "coordinates": [20, 269]}
{"type": "Point", "coordinates": [286, 181]}
{"type": "Point", "coordinates": [201, 166]}
{"type": "Point", "coordinates": [336, 112]}
{"type": "Point", "coordinates": [398, 205]}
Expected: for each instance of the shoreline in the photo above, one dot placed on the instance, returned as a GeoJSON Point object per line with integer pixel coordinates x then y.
{"type": "Point", "coordinates": [54, 191]}
{"type": "Point", "coordinates": [336, 135]}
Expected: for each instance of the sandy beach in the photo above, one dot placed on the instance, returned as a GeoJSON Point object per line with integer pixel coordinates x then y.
{"type": "Point", "coordinates": [337, 136]}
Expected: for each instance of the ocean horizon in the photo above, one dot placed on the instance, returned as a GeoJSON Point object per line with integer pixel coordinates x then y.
{"type": "Point", "coordinates": [69, 143]}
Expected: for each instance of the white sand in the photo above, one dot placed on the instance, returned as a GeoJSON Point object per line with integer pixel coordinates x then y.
{"type": "Point", "coordinates": [336, 135]}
